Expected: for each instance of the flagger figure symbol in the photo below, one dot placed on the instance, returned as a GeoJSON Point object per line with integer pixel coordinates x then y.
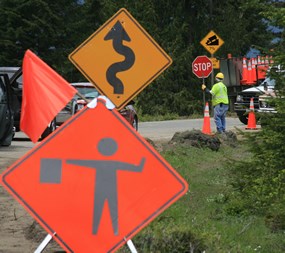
{"type": "Point", "coordinates": [106, 181]}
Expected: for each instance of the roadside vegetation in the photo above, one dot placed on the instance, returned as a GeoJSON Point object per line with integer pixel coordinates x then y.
{"type": "Point", "coordinates": [236, 198]}
{"type": "Point", "coordinates": [204, 219]}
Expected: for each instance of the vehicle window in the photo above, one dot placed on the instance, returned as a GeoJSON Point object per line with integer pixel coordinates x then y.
{"type": "Point", "coordinates": [19, 82]}
{"type": "Point", "coordinates": [10, 74]}
{"type": "Point", "coordinates": [268, 83]}
{"type": "Point", "coordinates": [88, 92]}
{"type": "Point", "coordinates": [271, 82]}
{"type": "Point", "coordinates": [10, 71]}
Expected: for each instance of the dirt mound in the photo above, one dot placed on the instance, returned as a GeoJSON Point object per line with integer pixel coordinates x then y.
{"type": "Point", "coordinates": [230, 138]}
{"type": "Point", "coordinates": [197, 139]}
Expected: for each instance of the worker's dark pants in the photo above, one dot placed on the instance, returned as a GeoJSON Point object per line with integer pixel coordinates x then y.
{"type": "Point", "coordinates": [220, 112]}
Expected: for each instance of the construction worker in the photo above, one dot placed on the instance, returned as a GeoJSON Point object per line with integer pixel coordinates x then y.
{"type": "Point", "coordinates": [220, 102]}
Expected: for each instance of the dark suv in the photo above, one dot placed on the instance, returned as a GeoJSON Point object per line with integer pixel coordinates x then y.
{"type": "Point", "coordinates": [7, 129]}
{"type": "Point", "coordinates": [14, 89]}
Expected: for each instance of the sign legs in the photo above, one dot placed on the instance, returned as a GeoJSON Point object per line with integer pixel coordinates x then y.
{"type": "Point", "coordinates": [131, 246]}
{"type": "Point", "coordinates": [44, 243]}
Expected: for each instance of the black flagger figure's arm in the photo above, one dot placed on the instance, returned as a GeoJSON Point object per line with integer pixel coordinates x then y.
{"type": "Point", "coordinates": [105, 164]}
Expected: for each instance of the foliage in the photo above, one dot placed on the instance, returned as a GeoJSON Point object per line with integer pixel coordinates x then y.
{"type": "Point", "coordinates": [175, 241]}
{"type": "Point", "coordinates": [158, 117]}
{"type": "Point", "coordinates": [259, 181]}
{"type": "Point", "coordinates": [197, 222]}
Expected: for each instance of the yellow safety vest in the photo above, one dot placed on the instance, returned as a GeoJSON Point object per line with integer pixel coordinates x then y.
{"type": "Point", "coordinates": [220, 94]}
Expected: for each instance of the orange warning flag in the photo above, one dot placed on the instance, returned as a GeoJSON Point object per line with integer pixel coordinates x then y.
{"type": "Point", "coordinates": [45, 93]}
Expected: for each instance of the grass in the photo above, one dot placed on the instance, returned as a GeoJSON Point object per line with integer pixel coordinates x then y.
{"type": "Point", "coordinates": [199, 222]}
{"type": "Point", "coordinates": [147, 117]}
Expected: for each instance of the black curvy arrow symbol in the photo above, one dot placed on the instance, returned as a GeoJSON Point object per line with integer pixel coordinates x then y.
{"type": "Point", "coordinates": [118, 35]}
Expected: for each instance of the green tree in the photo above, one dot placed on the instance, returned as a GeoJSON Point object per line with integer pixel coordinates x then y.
{"type": "Point", "coordinates": [180, 28]}
{"type": "Point", "coordinates": [45, 27]}
{"type": "Point", "coordinates": [53, 29]}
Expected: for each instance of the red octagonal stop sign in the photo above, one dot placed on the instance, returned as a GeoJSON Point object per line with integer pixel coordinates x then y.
{"type": "Point", "coordinates": [202, 66]}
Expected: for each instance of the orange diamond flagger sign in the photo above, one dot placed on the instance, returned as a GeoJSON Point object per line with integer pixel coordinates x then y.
{"type": "Point", "coordinates": [93, 192]}
{"type": "Point", "coordinates": [120, 58]}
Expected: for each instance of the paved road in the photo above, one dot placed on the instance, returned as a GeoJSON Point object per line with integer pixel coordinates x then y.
{"type": "Point", "coordinates": [157, 130]}
{"type": "Point", "coordinates": [166, 129]}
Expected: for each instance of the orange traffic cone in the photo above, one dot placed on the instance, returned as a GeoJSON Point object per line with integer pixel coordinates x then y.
{"type": "Point", "coordinates": [261, 69]}
{"type": "Point", "coordinates": [244, 71]}
{"type": "Point", "coordinates": [251, 123]}
{"type": "Point", "coordinates": [253, 66]}
{"type": "Point", "coordinates": [207, 125]}
{"type": "Point", "coordinates": [250, 73]}
{"type": "Point", "coordinates": [258, 60]}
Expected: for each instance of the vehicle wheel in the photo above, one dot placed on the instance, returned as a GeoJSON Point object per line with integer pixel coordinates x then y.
{"type": "Point", "coordinates": [243, 118]}
{"type": "Point", "coordinates": [51, 128]}
{"type": "Point", "coordinates": [135, 124]}
{"type": "Point", "coordinates": [7, 140]}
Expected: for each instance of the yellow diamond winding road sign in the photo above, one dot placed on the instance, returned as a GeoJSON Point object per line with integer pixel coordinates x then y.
{"type": "Point", "coordinates": [120, 58]}
{"type": "Point", "coordinates": [212, 42]}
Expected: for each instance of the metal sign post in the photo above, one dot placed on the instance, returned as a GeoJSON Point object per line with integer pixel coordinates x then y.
{"type": "Point", "coordinates": [204, 96]}
{"type": "Point", "coordinates": [212, 42]}
{"type": "Point", "coordinates": [202, 67]}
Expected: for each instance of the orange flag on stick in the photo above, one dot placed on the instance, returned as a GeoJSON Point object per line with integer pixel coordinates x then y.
{"type": "Point", "coordinates": [45, 93]}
